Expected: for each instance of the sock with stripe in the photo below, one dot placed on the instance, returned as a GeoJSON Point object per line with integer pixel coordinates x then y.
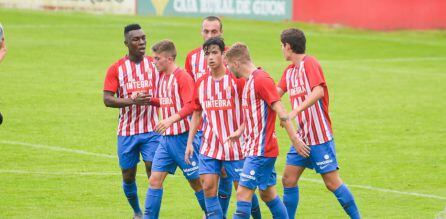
{"type": "Point", "coordinates": [224, 193]}
{"type": "Point", "coordinates": [255, 209]}
{"type": "Point", "coordinates": [243, 210]}
{"type": "Point", "coordinates": [213, 208]}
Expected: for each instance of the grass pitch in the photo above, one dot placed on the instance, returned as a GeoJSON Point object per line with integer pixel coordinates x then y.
{"type": "Point", "coordinates": [58, 141]}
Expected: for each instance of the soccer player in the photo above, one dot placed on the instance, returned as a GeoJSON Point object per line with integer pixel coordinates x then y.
{"type": "Point", "coordinates": [196, 66]}
{"type": "Point", "coordinates": [175, 90]}
{"type": "Point", "coordinates": [305, 82]}
{"type": "Point", "coordinates": [218, 97]}
{"type": "Point", "coordinates": [133, 79]}
{"type": "Point", "coordinates": [260, 103]}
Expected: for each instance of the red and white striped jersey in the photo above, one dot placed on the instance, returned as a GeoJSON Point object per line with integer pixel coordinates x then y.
{"type": "Point", "coordinates": [220, 101]}
{"type": "Point", "coordinates": [196, 64]}
{"type": "Point", "coordinates": [258, 95]}
{"type": "Point", "coordinates": [175, 90]}
{"type": "Point", "coordinates": [314, 125]}
{"type": "Point", "coordinates": [125, 77]}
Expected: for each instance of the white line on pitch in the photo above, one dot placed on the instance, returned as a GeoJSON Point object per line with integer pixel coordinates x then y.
{"type": "Point", "coordinates": [56, 148]}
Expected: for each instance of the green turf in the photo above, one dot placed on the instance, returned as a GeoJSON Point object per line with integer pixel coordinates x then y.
{"type": "Point", "coordinates": [387, 105]}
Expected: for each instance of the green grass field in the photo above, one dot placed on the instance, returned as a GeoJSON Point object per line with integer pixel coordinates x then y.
{"type": "Point", "coordinates": [58, 141]}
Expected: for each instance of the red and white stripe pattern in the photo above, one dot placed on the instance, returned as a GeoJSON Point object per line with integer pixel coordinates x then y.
{"type": "Point", "coordinates": [314, 126]}
{"type": "Point", "coordinates": [221, 104]}
{"type": "Point", "coordinates": [255, 111]}
{"type": "Point", "coordinates": [171, 103]}
{"type": "Point", "coordinates": [196, 64]}
{"type": "Point", "coordinates": [133, 77]}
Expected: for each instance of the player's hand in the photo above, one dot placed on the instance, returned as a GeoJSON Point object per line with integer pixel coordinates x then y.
{"type": "Point", "coordinates": [188, 153]}
{"type": "Point", "coordinates": [293, 114]}
{"type": "Point", "coordinates": [232, 138]}
{"type": "Point", "coordinates": [142, 99]}
{"type": "Point", "coordinates": [163, 125]}
{"type": "Point", "coordinates": [282, 124]}
{"type": "Point", "coordinates": [301, 147]}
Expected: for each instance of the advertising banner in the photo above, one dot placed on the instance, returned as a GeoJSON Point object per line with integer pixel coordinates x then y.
{"type": "Point", "coordinates": [100, 6]}
{"type": "Point", "coordinates": [251, 9]}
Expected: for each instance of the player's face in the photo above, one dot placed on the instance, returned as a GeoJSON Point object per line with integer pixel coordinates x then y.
{"type": "Point", "coordinates": [135, 40]}
{"type": "Point", "coordinates": [214, 57]}
{"type": "Point", "coordinates": [161, 61]}
{"type": "Point", "coordinates": [210, 29]}
{"type": "Point", "coordinates": [286, 50]}
{"type": "Point", "coordinates": [233, 67]}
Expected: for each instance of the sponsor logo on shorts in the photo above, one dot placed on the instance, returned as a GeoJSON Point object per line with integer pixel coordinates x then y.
{"type": "Point", "coordinates": [323, 164]}
{"type": "Point", "coordinates": [194, 163]}
{"type": "Point", "coordinates": [246, 177]}
{"type": "Point", "coordinates": [189, 170]}
{"type": "Point", "coordinates": [238, 170]}
{"type": "Point", "coordinates": [252, 172]}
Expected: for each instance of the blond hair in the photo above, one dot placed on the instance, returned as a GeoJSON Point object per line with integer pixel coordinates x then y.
{"type": "Point", "coordinates": [238, 52]}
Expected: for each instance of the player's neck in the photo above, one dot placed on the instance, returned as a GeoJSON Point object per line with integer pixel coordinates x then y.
{"type": "Point", "coordinates": [171, 69]}
{"type": "Point", "coordinates": [248, 70]}
{"type": "Point", "coordinates": [218, 72]}
{"type": "Point", "coordinates": [135, 58]}
{"type": "Point", "coordinates": [297, 58]}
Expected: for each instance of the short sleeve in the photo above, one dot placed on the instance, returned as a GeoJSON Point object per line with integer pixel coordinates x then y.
{"type": "Point", "coordinates": [266, 88]}
{"type": "Point", "coordinates": [314, 73]}
{"type": "Point", "coordinates": [111, 82]}
{"type": "Point", "coordinates": [282, 82]}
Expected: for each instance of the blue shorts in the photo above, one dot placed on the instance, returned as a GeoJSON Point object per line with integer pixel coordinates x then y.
{"type": "Point", "coordinates": [322, 158]}
{"type": "Point", "coordinates": [170, 155]}
{"type": "Point", "coordinates": [198, 139]}
{"type": "Point", "coordinates": [129, 148]}
{"type": "Point", "coordinates": [209, 165]}
{"type": "Point", "coordinates": [258, 171]}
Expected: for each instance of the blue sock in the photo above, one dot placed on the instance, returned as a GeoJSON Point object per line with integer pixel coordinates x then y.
{"type": "Point", "coordinates": [347, 201]}
{"type": "Point", "coordinates": [153, 203]}
{"type": "Point", "coordinates": [277, 208]}
{"type": "Point", "coordinates": [213, 208]}
{"type": "Point", "coordinates": [243, 210]}
{"type": "Point", "coordinates": [255, 209]}
{"type": "Point", "coordinates": [291, 200]}
{"type": "Point", "coordinates": [224, 193]}
{"type": "Point", "coordinates": [131, 192]}
{"type": "Point", "coordinates": [200, 199]}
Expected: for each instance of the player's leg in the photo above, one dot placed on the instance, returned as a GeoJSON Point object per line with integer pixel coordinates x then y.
{"type": "Point", "coordinates": [209, 170]}
{"type": "Point", "coordinates": [295, 165]}
{"type": "Point", "coordinates": [148, 146]}
{"type": "Point", "coordinates": [224, 191]}
{"type": "Point", "coordinates": [244, 202]}
{"type": "Point", "coordinates": [266, 179]}
{"type": "Point", "coordinates": [233, 169]}
{"type": "Point", "coordinates": [128, 155]}
{"type": "Point", "coordinates": [325, 162]}
{"type": "Point", "coordinates": [190, 171]}
{"type": "Point", "coordinates": [162, 165]}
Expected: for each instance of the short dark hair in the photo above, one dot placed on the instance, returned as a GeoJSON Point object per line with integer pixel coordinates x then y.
{"type": "Point", "coordinates": [131, 27]}
{"type": "Point", "coordinates": [214, 41]}
{"type": "Point", "coordinates": [165, 46]}
{"type": "Point", "coordinates": [214, 18]}
{"type": "Point", "coordinates": [296, 39]}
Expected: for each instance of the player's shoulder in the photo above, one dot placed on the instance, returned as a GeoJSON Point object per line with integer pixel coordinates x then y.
{"type": "Point", "coordinates": [194, 51]}
{"type": "Point", "coordinates": [260, 74]}
{"type": "Point", "coordinates": [181, 74]}
{"type": "Point", "coordinates": [202, 78]}
{"type": "Point", "coordinates": [149, 58]}
{"type": "Point", "coordinates": [310, 60]}
{"type": "Point", "coordinates": [290, 66]}
{"type": "Point", "coordinates": [115, 65]}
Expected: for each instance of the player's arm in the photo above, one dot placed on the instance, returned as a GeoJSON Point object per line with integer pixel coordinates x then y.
{"type": "Point", "coordinates": [285, 120]}
{"type": "Point", "coordinates": [281, 86]}
{"type": "Point", "coordinates": [186, 86]}
{"type": "Point", "coordinates": [233, 137]}
{"type": "Point", "coordinates": [317, 93]}
{"type": "Point", "coordinates": [193, 128]}
{"type": "Point", "coordinates": [266, 90]}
